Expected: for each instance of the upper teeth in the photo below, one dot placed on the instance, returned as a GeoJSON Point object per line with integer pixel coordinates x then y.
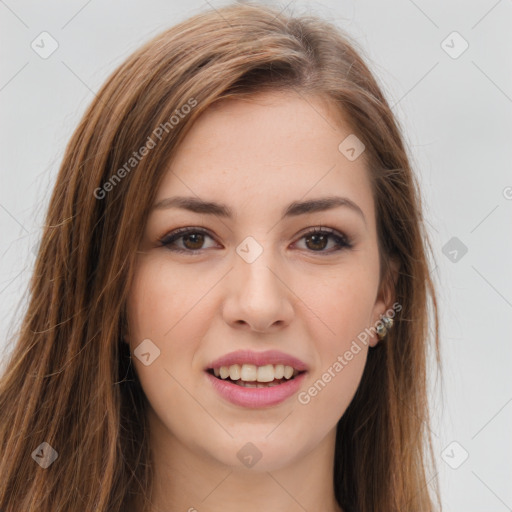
{"type": "Point", "coordinates": [251, 372]}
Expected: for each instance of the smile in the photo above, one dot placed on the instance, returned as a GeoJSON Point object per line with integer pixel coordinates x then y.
{"type": "Point", "coordinates": [252, 376]}
{"type": "Point", "coordinates": [254, 394]}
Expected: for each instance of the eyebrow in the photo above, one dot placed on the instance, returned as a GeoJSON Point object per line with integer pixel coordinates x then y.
{"type": "Point", "coordinates": [294, 209]}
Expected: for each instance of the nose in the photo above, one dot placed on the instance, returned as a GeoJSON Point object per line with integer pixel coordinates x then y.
{"type": "Point", "coordinates": [258, 298]}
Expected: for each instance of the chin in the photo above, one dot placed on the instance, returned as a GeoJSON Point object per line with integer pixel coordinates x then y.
{"type": "Point", "coordinates": [259, 450]}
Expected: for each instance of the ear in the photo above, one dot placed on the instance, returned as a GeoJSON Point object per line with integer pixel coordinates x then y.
{"type": "Point", "coordinates": [124, 330]}
{"type": "Point", "coordinates": [386, 295]}
{"type": "Point", "coordinates": [125, 336]}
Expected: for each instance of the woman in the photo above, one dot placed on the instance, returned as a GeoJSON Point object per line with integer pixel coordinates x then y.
{"type": "Point", "coordinates": [229, 307]}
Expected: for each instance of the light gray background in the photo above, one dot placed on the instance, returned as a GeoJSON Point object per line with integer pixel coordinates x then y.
{"type": "Point", "coordinates": [457, 117]}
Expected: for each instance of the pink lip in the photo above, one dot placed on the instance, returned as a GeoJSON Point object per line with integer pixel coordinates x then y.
{"type": "Point", "coordinates": [255, 397]}
{"type": "Point", "coordinates": [259, 359]}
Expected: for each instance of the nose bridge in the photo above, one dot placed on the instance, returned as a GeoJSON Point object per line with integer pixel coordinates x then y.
{"type": "Point", "coordinates": [258, 295]}
{"type": "Point", "coordinates": [255, 260]}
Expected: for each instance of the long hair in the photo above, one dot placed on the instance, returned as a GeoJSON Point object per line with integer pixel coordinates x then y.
{"type": "Point", "coordinates": [69, 398]}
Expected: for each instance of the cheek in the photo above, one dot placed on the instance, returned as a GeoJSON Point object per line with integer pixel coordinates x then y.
{"type": "Point", "coordinates": [158, 324]}
{"type": "Point", "coordinates": [343, 307]}
{"type": "Point", "coordinates": [328, 393]}
{"type": "Point", "coordinates": [339, 306]}
{"type": "Point", "coordinates": [160, 308]}
{"type": "Point", "coordinates": [158, 301]}
{"type": "Point", "coordinates": [333, 382]}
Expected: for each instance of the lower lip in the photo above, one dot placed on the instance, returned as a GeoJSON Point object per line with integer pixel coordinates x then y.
{"type": "Point", "coordinates": [256, 397]}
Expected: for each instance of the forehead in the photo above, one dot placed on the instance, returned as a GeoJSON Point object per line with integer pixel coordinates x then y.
{"type": "Point", "coordinates": [267, 151]}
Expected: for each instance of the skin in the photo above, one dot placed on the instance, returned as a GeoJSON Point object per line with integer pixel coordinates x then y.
{"type": "Point", "coordinates": [298, 296]}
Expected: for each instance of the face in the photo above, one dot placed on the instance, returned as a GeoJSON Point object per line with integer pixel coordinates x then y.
{"type": "Point", "coordinates": [257, 281]}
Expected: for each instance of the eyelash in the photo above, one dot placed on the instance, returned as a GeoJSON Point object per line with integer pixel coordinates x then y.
{"type": "Point", "coordinates": [342, 242]}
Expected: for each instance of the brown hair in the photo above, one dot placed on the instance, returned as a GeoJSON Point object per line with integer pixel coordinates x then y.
{"type": "Point", "coordinates": [68, 381]}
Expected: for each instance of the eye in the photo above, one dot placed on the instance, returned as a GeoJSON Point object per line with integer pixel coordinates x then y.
{"type": "Point", "coordinates": [319, 240]}
{"type": "Point", "coordinates": [193, 238]}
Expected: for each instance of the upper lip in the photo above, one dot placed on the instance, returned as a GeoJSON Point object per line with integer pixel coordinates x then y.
{"type": "Point", "coordinates": [259, 359]}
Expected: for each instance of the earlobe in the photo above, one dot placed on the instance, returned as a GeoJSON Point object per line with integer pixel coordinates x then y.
{"type": "Point", "coordinates": [124, 337]}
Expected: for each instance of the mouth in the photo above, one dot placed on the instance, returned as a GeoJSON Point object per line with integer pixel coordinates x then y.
{"type": "Point", "coordinates": [252, 376]}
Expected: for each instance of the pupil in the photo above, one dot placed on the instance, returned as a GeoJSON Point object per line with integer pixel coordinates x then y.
{"type": "Point", "coordinates": [188, 237]}
{"type": "Point", "coordinates": [314, 237]}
